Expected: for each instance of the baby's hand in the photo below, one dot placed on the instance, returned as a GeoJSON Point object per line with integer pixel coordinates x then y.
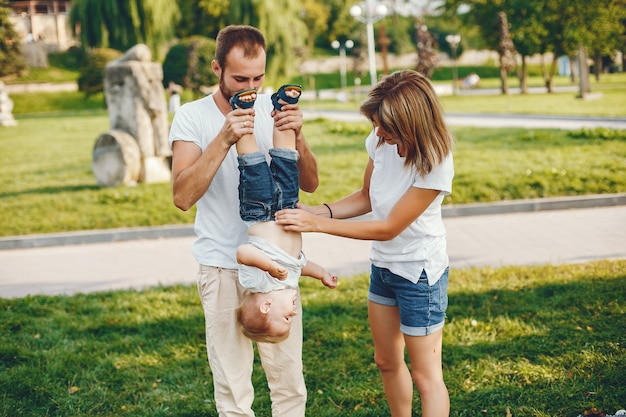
{"type": "Point", "coordinates": [329, 280]}
{"type": "Point", "coordinates": [277, 271]}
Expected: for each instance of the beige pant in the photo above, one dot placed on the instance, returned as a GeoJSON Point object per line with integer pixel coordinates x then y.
{"type": "Point", "coordinates": [230, 352]}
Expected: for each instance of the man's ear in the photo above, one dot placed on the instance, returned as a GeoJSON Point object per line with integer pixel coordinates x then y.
{"type": "Point", "coordinates": [266, 306]}
{"type": "Point", "coordinates": [217, 70]}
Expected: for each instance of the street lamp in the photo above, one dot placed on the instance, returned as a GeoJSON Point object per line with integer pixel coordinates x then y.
{"type": "Point", "coordinates": [369, 12]}
{"type": "Point", "coordinates": [342, 59]}
{"type": "Point", "coordinates": [453, 41]}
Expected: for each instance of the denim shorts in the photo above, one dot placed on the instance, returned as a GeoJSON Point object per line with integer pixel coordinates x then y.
{"type": "Point", "coordinates": [263, 189]}
{"type": "Point", "coordinates": [422, 307]}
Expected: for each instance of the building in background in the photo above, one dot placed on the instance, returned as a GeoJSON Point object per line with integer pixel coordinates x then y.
{"type": "Point", "coordinates": [43, 22]}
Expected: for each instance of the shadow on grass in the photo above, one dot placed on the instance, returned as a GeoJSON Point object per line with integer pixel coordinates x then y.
{"type": "Point", "coordinates": [542, 350]}
{"type": "Point", "coordinates": [52, 190]}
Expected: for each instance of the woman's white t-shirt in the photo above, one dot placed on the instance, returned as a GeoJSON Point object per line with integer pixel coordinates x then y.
{"type": "Point", "coordinates": [422, 245]}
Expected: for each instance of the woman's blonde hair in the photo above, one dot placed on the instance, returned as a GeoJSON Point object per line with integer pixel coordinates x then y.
{"type": "Point", "coordinates": [406, 106]}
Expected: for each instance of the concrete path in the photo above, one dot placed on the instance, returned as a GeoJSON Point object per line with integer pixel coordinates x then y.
{"type": "Point", "coordinates": [526, 233]}
{"type": "Point", "coordinates": [493, 120]}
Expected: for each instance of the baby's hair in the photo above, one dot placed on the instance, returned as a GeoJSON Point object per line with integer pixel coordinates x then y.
{"type": "Point", "coordinates": [255, 326]}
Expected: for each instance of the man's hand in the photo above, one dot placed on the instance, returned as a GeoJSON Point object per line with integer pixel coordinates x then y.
{"type": "Point", "coordinates": [239, 122]}
{"type": "Point", "coordinates": [289, 117]}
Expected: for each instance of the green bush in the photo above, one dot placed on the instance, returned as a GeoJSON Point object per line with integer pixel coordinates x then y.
{"type": "Point", "coordinates": [189, 64]}
{"type": "Point", "coordinates": [175, 65]}
{"type": "Point", "coordinates": [599, 133]}
{"type": "Point", "coordinates": [69, 60]}
{"type": "Point", "coordinates": [11, 61]}
{"type": "Point", "coordinates": [91, 79]}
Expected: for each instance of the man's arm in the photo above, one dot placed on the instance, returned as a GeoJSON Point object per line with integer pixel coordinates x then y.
{"type": "Point", "coordinates": [194, 170]}
{"type": "Point", "coordinates": [307, 165]}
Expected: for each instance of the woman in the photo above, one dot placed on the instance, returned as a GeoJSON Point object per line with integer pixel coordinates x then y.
{"type": "Point", "coordinates": [409, 172]}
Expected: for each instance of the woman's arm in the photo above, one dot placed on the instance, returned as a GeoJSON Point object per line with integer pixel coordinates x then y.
{"type": "Point", "coordinates": [410, 206]}
{"type": "Point", "coordinates": [353, 205]}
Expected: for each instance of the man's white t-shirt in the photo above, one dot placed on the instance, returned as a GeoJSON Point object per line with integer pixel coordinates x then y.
{"type": "Point", "coordinates": [218, 226]}
{"type": "Point", "coordinates": [422, 245]}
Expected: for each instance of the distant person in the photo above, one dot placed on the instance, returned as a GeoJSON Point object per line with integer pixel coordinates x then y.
{"type": "Point", "coordinates": [470, 81]}
{"type": "Point", "coordinates": [408, 174]}
{"type": "Point", "coordinates": [174, 102]}
{"type": "Point", "coordinates": [272, 261]}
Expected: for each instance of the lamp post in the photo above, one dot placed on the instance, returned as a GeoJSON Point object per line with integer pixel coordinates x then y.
{"type": "Point", "coordinates": [342, 59]}
{"type": "Point", "coordinates": [369, 12]}
{"type": "Point", "coordinates": [454, 41]}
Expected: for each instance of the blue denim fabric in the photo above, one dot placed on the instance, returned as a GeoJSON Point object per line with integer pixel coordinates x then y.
{"type": "Point", "coordinates": [422, 307]}
{"type": "Point", "coordinates": [263, 189]}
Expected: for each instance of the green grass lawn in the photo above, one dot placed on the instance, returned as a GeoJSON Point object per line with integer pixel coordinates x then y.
{"type": "Point", "coordinates": [539, 341]}
{"type": "Point", "coordinates": [48, 185]}
{"type": "Point", "coordinates": [610, 103]}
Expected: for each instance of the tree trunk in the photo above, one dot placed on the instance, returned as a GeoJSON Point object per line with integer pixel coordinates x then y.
{"type": "Point", "coordinates": [598, 66]}
{"type": "Point", "coordinates": [504, 80]}
{"type": "Point", "coordinates": [524, 77]}
{"type": "Point", "coordinates": [573, 73]}
{"type": "Point", "coordinates": [551, 74]}
{"type": "Point", "coordinates": [585, 88]}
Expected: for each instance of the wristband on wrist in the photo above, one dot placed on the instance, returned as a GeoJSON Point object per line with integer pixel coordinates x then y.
{"type": "Point", "coordinates": [329, 210]}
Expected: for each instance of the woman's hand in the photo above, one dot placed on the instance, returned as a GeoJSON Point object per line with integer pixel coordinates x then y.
{"type": "Point", "coordinates": [297, 220]}
{"type": "Point", "coordinates": [306, 208]}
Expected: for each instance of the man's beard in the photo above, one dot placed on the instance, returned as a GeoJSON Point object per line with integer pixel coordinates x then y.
{"type": "Point", "coordinates": [224, 91]}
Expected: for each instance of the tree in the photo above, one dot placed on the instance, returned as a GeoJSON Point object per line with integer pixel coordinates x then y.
{"type": "Point", "coordinates": [506, 51]}
{"type": "Point", "coordinates": [91, 78]}
{"type": "Point", "coordinates": [427, 59]}
{"type": "Point", "coordinates": [202, 17]}
{"type": "Point", "coordinates": [121, 24]}
{"type": "Point", "coordinates": [491, 20]}
{"type": "Point", "coordinates": [602, 29]}
{"type": "Point", "coordinates": [11, 60]}
{"type": "Point", "coordinates": [315, 16]}
{"type": "Point", "coordinates": [188, 63]}
{"type": "Point", "coordinates": [527, 32]}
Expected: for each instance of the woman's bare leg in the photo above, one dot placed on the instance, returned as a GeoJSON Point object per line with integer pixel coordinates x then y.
{"type": "Point", "coordinates": [426, 370]}
{"type": "Point", "coordinates": [389, 357]}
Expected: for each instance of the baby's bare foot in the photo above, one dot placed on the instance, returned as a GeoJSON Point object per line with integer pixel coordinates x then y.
{"type": "Point", "coordinates": [292, 92]}
{"type": "Point", "coordinates": [248, 97]}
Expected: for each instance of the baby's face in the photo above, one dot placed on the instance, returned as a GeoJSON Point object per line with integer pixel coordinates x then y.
{"type": "Point", "coordinates": [283, 310]}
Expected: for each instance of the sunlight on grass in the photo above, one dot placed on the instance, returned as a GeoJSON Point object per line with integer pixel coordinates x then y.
{"type": "Point", "coordinates": [469, 331]}
{"type": "Point", "coordinates": [539, 341]}
{"type": "Point", "coordinates": [48, 184]}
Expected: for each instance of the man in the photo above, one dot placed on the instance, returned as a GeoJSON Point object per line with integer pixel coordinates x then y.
{"type": "Point", "coordinates": [205, 173]}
